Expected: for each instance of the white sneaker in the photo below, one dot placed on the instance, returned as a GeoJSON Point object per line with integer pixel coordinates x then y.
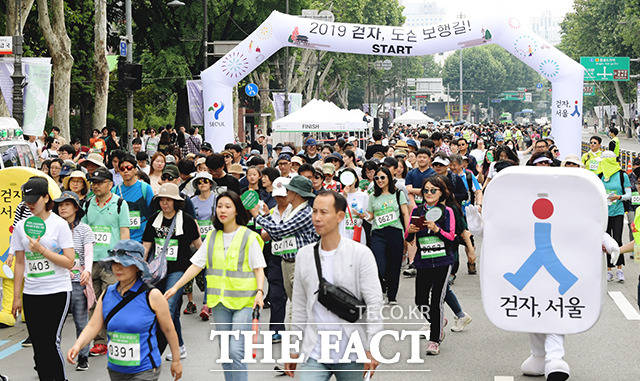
{"type": "Point", "coordinates": [183, 354]}
{"type": "Point", "coordinates": [620, 275]}
{"type": "Point", "coordinates": [533, 366]}
{"type": "Point", "coordinates": [460, 323]}
{"type": "Point", "coordinates": [609, 276]}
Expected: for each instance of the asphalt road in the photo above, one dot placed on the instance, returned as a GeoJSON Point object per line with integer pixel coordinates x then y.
{"type": "Point", "coordinates": [481, 352]}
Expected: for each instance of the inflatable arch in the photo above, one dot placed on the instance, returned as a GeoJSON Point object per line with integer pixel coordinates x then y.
{"type": "Point", "coordinates": [281, 30]}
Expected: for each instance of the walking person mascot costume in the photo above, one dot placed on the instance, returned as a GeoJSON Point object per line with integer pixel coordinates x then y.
{"type": "Point", "coordinates": [542, 258]}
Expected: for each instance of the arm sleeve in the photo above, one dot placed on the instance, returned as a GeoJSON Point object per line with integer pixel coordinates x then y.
{"type": "Point", "coordinates": [403, 198]}
{"type": "Point", "coordinates": [256, 258]}
{"type": "Point", "coordinates": [612, 145]}
{"type": "Point", "coordinates": [200, 257]}
{"type": "Point", "coordinates": [16, 239]}
{"type": "Point", "coordinates": [450, 234]}
{"type": "Point", "coordinates": [627, 188]}
{"type": "Point", "coordinates": [88, 256]}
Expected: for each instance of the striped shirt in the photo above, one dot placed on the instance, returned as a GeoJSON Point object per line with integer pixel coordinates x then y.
{"type": "Point", "coordinates": [300, 226]}
{"type": "Point", "coordinates": [82, 236]}
{"type": "Point", "coordinates": [22, 212]}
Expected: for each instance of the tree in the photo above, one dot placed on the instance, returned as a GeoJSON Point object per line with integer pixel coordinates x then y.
{"type": "Point", "coordinates": [101, 65]}
{"type": "Point", "coordinates": [60, 48]}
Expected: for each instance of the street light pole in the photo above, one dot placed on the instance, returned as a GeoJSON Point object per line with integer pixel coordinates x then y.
{"type": "Point", "coordinates": [129, 60]}
{"type": "Point", "coordinates": [460, 113]}
{"type": "Point", "coordinates": [18, 76]}
{"type": "Point", "coordinates": [205, 34]}
{"type": "Point", "coordinates": [286, 73]}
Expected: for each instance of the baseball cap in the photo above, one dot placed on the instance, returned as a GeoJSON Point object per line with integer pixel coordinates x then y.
{"type": "Point", "coordinates": [412, 143]}
{"type": "Point", "coordinates": [297, 159]}
{"type": "Point", "coordinates": [287, 149]}
{"type": "Point", "coordinates": [328, 169]}
{"type": "Point", "coordinates": [171, 170]}
{"type": "Point", "coordinates": [441, 160]}
{"type": "Point", "coordinates": [206, 146]}
{"type": "Point", "coordinates": [254, 152]}
{"type": "Point", "coordinates": [311, 142]}
{"type": "Point", "coordinates": [34, 188]}
{"type": "Point", "coordinates": [170, 159]}
{"type": "Point", "coordinates": [283, 156]}
{"type": "Point", "coordinates": [100, 174]}
{"type": "Point", "coordinates": [278, 186]}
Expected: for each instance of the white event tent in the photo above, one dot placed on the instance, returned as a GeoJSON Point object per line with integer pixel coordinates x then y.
{"type": "Point", "coordinates": [413, 117]}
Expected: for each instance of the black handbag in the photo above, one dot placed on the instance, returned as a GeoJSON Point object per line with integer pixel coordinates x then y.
{"type": "Point", "coordinates": [335, 298]}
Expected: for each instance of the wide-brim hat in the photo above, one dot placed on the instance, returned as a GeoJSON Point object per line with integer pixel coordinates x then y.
{"type": "Point", "coordinates": [128, 253]}
{"type": "Point", "coordinates": [301, 185]}
{"type": "Point", "coordinates": [571, 159]}
{"type": "Point", "coordinates": [76, 174]}
{"type": "Point", "coordinates": [69, 196]}
{"type": "Point", "coordinates": [169, 190]}
{"type": "Point", "coordinates": [94, 158]}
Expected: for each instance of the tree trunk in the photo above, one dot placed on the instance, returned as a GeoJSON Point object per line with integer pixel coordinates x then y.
{"type": "Point", "coordinates": [60, 49]}
{"type": "Point", "coordinates": [101, 65]}
{"type": "Point", "coordinates": [623, 122]}
{"type": "Point", "coordinates": [262, 80]}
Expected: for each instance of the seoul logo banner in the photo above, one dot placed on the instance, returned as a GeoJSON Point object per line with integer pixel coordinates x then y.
{"type": "Point", "coordinates": [542, 266]}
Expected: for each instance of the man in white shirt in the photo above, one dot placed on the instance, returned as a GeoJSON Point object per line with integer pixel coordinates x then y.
{"type": "Point", "coordinates": [347, 264]}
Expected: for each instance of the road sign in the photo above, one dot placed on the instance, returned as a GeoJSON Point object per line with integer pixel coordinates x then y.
{"type": "Point", "coordinates": [6, 45]}
{"type": "Point", "coordinates": [251, 89]}
{"type": "Point", "coordinates": [528, 97]}
{"type": "Point", "coordinates": [588, 89]}
{"type": "Point", "coordinates": [539, 86]}
{"type": "Point", "coordinates": [605, 68]}
{"type": "Point", "coordinates": [512, 95]}
{"type": "Point", "coordinates": [123, 48]}
{"type": "Point", "coordinates": [387, 64]}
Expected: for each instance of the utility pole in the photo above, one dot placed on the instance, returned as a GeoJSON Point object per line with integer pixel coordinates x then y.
{"type": "Point", "coordinates": [205, 34]}
{"type": "Point", "coordinates": [18, 77]}
{"type": "Point", "coordinates": [129, 60]}
{"type": "Point", "coordinates": [286, 73]}
{"type": "Point", "coordinates": [461, 113]}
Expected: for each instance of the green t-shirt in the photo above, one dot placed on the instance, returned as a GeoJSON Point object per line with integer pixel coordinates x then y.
{"type": "Point", "coordinates": [106, 223]}
{"type": "Point", "coordinates": [386, 211]}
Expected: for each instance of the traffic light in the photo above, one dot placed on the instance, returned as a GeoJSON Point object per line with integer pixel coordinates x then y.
{"type": "Point", "coordinates": [129, 76]}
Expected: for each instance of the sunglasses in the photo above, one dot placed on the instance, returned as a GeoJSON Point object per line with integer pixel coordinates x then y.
{"type": "Point", "coordinates": [318, 177]}
{"type": "Point", "coordinates": [228, 156]}
{"type": "Point", "coordinates": [167, 177]}
{"type": "Point", "coordinates": [202, 182]}
{"type": "Point", "coordinates": [593, 142]}
{"type": "Point", "coordinates": [431, 190]}
{"type": "Point", "coordinates": [377, 178]}
{"type": "Point", "coordinates": [554, 151]}
{"type": "Point", "coordinates": [126, 167]}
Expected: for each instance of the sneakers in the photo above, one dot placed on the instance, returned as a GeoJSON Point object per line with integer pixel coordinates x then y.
{"type": "Point", "coordinates": [452, 279]}
{"type": "Point", "coordinates": [276, 338]}
{"type": "Point", "coordinates": [392, 302]}
{"type": "Point", "coordinates": [433, 348]}
{"type": "Point", "coordinates": [190, 309]}
{"type": "Point", "coordinates": [27, 342]}
{"type": "Point", "coordinates": [410, 272]}
{"type": "Point", "coordinates": [609, 276]}
{"type": "Point", "coordinates": [98, 350]}
{"type": "Point", "coordinates": [83, 364]}
{"type": "Point", "coordinates": [205, 313]}
{"type": "Point", "coordinates": [620, 275]}
{"type": "Point", "coordinates": [4, 378]}
{"type": "Point", "coordinates": [183, 354]}
{"type": "Point", "coordinates": [460, 323]}
{"type": "Point", "coordinates": [471, 268]}
{"type": "Point", "coordinates": [533, 366]}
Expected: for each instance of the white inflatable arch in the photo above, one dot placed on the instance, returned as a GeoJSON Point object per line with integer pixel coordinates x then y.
{"type": "Point", "coordinates": [280, 30]}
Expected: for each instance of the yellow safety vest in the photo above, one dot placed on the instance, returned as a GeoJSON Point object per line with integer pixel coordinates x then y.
{"type": "Point", "coordinates": [616, 149]}
{"type": "Point", "coordinates": [230, 280]}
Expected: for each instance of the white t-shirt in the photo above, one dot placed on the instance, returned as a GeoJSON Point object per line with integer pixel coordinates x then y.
{"type": "Point", "coordinates": [42, 276]}
{"type": "Point", "coordinates": [478, 154]}
{"type": "Point", "coordinates": [361, 201]}
{"type": "Point", "coordinates": [145, 169]}
{"type": "Point", "coordinates": [326, 320]}
{"type": "Point", "coordinates": [256, 258]}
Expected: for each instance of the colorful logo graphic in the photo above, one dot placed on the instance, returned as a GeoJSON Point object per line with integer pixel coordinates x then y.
{"type": "Point", "coordinates": [217, 109]}
{"type": "Point", "coordinates": [576, 112]}
{"type": "Point", "coordinates": [297, 38]}
{"type": "Point", "coordinates": [543, 255]}
{"type": "Point", "coordinates": [549, 68]}
{"type": "Point", "coordinates": [514, 23]}
{"type": "Point", "coordinates": [264, 32]}
{"type": "Point", "coordinates": [234, 64]}
{"type": "Point", "coordinates": [525, 46]}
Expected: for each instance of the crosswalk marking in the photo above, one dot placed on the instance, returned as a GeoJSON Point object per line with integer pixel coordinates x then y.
{"type": "Point", "coordinates": [11, 350]}
{"type": "Point", "coordinates": [503, 378]}
{"type": "Point", "coordinates": [623, 304]}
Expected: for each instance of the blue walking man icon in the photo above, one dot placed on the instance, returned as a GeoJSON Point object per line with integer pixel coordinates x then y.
{"type": "Point", "coordinates": [543, 255]}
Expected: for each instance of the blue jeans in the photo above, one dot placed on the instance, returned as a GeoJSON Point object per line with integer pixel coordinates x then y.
{"type": "Point", "coordinates": [226, 319]}
{"type": "Point", "coordinates": [315, 371]}
{"type": "Point", "coordinates": [80, 313]}
{"type": "Point", "coordinates": [452, 301]}
{"type": "Point", "coordinates": [387, 245]}
{"type": "Point", "coordinates": [175, 302]}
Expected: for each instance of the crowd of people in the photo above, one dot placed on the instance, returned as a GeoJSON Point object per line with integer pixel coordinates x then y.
{"type": "Point", "coordinates": [366, 203]}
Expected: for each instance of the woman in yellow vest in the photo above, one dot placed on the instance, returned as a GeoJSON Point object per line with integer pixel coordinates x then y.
{"type": "Point", "coordinates": [232, 256]}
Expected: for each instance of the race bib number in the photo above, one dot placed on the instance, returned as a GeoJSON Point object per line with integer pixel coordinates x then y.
{"type": "Point", "coordinates": [286, 245]}
{"type": "Point", "coordinates": [635, 198]}
{"type": "Point", "coordinates": [134, 219]}
{"type": "Point", "coordinates": [172, 248]}
{"type": "Point", "coordinates": [431, 247]}
{"type": "Point", "coordinates": [593, 165]}
{"type": "Point", "coordinates": [102, 235]}
{"type": "Point", "coordinates": [349, 223]}
{"type": "Point", "coordinates": [385, 217]}
{"type": "Point", "coordinates": [38, 266]}
{"type": "Point", "coordinates": [124, 348]}
{"type": "Point", "coordinates": [205, 227]}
